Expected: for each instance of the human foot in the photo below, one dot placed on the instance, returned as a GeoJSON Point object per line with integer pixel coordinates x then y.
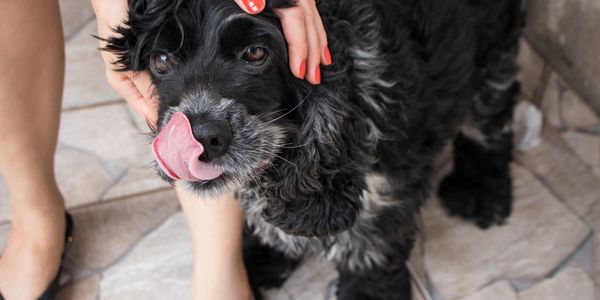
{"type": "Point", "coordinates": [33, 253]}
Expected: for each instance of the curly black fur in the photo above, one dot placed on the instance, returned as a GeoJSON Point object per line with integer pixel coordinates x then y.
{"type": "Point", "coordinates": [341, 169]}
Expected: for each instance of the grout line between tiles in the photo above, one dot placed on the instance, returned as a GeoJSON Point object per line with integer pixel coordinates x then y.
{"type": "Point", "coordinates": [94, 105]}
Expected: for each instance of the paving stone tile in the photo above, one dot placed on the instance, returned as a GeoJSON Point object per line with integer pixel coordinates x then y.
{"type": "Point", "coordinates": [569, 284]}
{"type": "Point", "coordinates": [596, 259]}
{"type": "Point", "coordinates": [311, 280]}
{"type": "Point", "coordinates": [566, 32]}
{"type": "Point", "coordinates": [85, 289]}
{"type": "Point", "coordinates": [500, 290]}
{"type": "Point", "coordinates": [75, 14]}
{"type": "Point", "coordinates": [416, 292]}
{"type": "Point", "coordinates": [532, 67]}
{"type": "Point", "coordinates": [552, 99]}
{"type": "Point", "coordinates": [105, 231]}
{"type": "Point", "coordinates": [108, 132]}
{"type": "Point", "coordinates": [564, 174]}
{"type": "Point", "coordinates": [587, 147]}
{"type": "Point", "coordinates": [576, 113]}
{"type": "Point", "coordinates": [563, 108]}
{"type": "Point", "coordinates": [85, 83]}
{"type": "Point", "coordinates": [461, 258]}
{"type": "Point", "coordinates": [81, 176]}
{"type": "Point", "coordinates": [159, 267]}
{"type": "Point", "coordinates": [137, 180]}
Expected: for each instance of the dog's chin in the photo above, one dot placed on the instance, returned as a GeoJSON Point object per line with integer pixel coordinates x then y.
{"type": "Point", "coordinates": [228, 181]}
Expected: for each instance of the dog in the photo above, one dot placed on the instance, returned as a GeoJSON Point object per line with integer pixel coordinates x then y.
{"type": "Point", "coordinates": [339, 169]}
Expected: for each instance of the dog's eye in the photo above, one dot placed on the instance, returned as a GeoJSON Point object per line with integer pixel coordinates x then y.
{"type": "Point", "coordinates": [255, 54]}
{"type": "Point", "coordinates": [161, 62]}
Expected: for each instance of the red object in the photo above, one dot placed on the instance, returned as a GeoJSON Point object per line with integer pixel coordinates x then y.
{"type": "Point", "coordinates": [318, 74]}
{"type": "Point", "coordinates": [327, 56]}
{"type": "Point", "coordinates": [254, 6]}
{"type": "Point", "coordinates": [303, 69]}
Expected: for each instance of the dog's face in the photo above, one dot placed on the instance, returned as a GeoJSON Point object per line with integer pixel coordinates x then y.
{"type": "Point", "coordinates": [228, 73]}
{"type": "Point", "coordinates": [225, 70]}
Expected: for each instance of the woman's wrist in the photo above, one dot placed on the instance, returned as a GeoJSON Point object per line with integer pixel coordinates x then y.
{"type": "Point", "coordinates": [227, 279]}
{"type": "Point", "coordinates": [216, 226]}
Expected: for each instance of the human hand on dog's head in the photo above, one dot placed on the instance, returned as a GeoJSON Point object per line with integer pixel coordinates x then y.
{"type": "Point", "coordinates": [305, 35]}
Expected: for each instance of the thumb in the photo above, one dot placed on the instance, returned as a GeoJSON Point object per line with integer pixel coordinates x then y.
{"type": "Point", "coordinates": [252, 6]}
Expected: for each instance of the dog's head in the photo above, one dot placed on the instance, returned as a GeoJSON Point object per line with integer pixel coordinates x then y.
{"type": "Point", "coordinates": [228, 73]}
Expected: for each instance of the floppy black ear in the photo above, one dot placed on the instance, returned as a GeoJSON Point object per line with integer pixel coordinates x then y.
{"type": "Point", "coordinates": [137, 35]}
{"type": "Point", "coordinates": [317, 191]}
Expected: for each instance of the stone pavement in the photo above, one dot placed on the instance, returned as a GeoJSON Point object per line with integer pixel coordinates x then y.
{"type": "Point", "coordinates": [131, 241]}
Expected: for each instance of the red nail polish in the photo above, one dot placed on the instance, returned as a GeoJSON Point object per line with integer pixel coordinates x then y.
{"type": "Point", "coordinates": [303, 69]}
{"type": "Point", "coordinates": [254, 6]}
{"type": "Point", "coordinates": [318, 75]}
{"type": "Point", "coordinates": [327, 56]}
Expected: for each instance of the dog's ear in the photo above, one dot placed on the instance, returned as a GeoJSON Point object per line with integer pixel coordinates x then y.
{"type": "Point", "coordinates": [137, 35]}
{"type": "Point", "coordinates": [316, 190]}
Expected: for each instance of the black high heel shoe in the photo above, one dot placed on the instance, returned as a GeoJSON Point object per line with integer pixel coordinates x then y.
{"type": "Point", "coordinates": [52, 289]}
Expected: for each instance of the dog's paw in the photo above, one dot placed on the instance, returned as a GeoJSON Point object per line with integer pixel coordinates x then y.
{"type": "Point", "coordinates": [486, 202]}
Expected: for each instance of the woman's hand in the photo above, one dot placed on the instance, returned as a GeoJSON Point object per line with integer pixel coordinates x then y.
{"type": "Point", "coordinates": [305, 35]}
{"type": "Point", "coordinates": [135, 87]}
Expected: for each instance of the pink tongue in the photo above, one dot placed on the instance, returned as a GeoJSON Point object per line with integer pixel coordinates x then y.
{"type": "Point", "coordinates": [177, 152]}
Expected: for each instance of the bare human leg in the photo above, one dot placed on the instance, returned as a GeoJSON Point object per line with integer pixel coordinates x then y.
{"type": "Point", "coordinates": [31, 82]}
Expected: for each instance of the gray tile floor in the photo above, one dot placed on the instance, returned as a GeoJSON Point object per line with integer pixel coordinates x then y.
{"type": "Point", "coordinates": [131, 241]}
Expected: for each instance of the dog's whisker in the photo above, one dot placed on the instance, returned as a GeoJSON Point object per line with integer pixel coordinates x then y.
{"type": "Point", "coordinates": [293, 109]}
{"type": "Point", "coordinates": [275, 155]}
{"type": "Point", "coordinates": [284, 146]}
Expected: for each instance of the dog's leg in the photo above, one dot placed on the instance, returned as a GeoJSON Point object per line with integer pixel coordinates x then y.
{"type": "Point", "coordinates": [388, 281]}
{"type": "Point", "coordinates": [480, 188]}
{"type": "Point", "coordinates": [266, 266]}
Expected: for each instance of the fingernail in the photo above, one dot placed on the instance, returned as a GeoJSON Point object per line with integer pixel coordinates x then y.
{"type": "Point", "coordinates": [327, 56]}
{"type": "Point", "coordinates": [254, 6]}
{"type": "Point", "coordinates": [318, 75]}
{"type": "Point", "coordinates": [303, 69]}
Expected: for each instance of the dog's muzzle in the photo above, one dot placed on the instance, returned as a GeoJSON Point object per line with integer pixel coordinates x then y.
{"type": "Point", "coordinates": [185, 152]}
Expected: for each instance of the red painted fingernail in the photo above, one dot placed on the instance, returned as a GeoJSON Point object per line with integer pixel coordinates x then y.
{"type": "Point", "coordinates": [318, 75]}
{"type": "Point", "coordinates": [254, 6]}
{"type": "Point", "coordinates": [327, 56]}
{"type": "Point", "coordinates": [303, 69]}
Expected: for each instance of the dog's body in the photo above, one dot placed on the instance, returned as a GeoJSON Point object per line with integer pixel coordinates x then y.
{"type": "Point", "coordinates": [348, 162]}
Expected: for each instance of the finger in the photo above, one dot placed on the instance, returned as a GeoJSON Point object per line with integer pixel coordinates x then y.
{"type": "Point", "coordinates": [144, 85]}
{"type": "Point", "coordinates": [314, 51]}
{"type": "Point", "coordinates": [251, 6]}
{"type": "Point", "coordinates": [325, 54]}
{"type": "Point", "coordinates": [294, 30]}
{"type": "Point", "coordinates": [127, 89]}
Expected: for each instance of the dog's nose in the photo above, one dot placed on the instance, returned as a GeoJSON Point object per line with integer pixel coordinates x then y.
{"type": "Point", "coordinates": [214, 135]}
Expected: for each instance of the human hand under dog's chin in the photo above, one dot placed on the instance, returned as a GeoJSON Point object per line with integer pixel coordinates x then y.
{"type": "Point", "coordinates": [304, 33]}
